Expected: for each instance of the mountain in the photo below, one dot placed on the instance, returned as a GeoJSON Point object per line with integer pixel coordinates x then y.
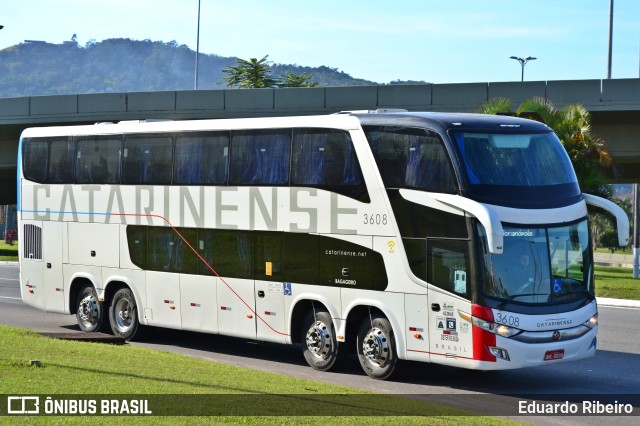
{"type": "Point", "coordinates": [123, 65]}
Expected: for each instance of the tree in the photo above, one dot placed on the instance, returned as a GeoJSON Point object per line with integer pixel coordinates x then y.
{"type": "Point", "coordinates": [249, 74]}
{"type": "Point", "coordinates": [299, 80]}
{"type": "Point", "coordinates": [572, 124]}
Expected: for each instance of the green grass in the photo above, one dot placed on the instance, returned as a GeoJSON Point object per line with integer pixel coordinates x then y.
{"type": "Point", "coordinates": [618, 250]}
{"type": "Point", "coordinates": [8, 252]}
{"type": "Point", "coordinates": [82, 368]}
{"type": "Point", "coordinates": [617, 283]}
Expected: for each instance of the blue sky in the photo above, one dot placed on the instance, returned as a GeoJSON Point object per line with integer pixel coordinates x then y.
{"type": "Point", "coordinates": [453, 41]}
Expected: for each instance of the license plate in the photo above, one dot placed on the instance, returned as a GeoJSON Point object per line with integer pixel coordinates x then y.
{"type": "Point", "coordinates": [554, 355]}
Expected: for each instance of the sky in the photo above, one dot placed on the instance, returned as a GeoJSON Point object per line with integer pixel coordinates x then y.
{"type": "Point", "coordinates": [437, 41]}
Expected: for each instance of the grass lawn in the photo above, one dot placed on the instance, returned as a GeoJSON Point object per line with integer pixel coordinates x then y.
{"type": "Point", "coordinates": [617, 283]}
{"type": "Point", "coordinates": [92, 370]}
{"type": "Point", "coordinates": [8, 252]}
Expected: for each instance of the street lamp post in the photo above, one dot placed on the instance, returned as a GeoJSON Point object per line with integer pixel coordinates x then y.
{"type": "Point", "coordinates": [195, 84]}
{"type": "Point", "coordinates": [523, 62]}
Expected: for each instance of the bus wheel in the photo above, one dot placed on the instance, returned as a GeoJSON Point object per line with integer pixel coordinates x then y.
{"type": "Point", "coordinates": [376, 348]}
{"type": "Point", "coordinates": [123, 314]}
{"type": "Point", "coordinates": [89, 310]}
{"type": "Point", "coordinates": [319, 344]}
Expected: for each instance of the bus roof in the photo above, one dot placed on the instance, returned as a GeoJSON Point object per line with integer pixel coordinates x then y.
{"type": "Point", "coordinates": [446, 121]}
{"type": "Point", "coordinates": [344, 120]}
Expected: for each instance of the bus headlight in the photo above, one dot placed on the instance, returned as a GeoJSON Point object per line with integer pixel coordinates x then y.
{"type": "Point", "coordinates": [490, 326]}
{"type": "Point", "coordinates": [504, 331]}
{"type": "Point", "coordinates": [591, 322]}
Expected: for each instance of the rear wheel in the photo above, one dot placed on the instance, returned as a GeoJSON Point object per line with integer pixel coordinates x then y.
{"type": "Point", "coordinates": [376, 348]}
{"type": "Point", "coordinates": [123, 315]}
{"type": "Point", "coordinates": [89, 310]}
{"type": "Point", "coordinates": [319, 344]}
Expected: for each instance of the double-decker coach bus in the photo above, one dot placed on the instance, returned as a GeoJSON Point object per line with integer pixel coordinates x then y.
{"type": "Point", "coordinates": [457, 239]}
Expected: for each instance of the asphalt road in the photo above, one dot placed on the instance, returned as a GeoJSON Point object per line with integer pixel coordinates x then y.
{"type": "Point", "coordinates": [614, 371]}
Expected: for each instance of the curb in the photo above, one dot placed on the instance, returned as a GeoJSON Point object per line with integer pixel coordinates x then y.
{"type": "Point", "coordinates": [618, 303]}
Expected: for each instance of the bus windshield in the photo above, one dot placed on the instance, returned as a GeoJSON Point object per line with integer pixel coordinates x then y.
{"type": "Point", "coordinates": [540, 265]}
{"type": "Point", "coordinates": [514, 159]}
{"type": "Point", "coordinates": [519, 170]}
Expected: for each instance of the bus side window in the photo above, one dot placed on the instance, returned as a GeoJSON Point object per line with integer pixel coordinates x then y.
{"type": "Point", "coordinates": [35, 155]}
{"type": "Point", "coordinates": [168, 252]}
{"type": "Point", "coordinates": [201, 159]}
{"type": "Point", "coordinates": [98, 159]}
{"type": "Point", "coordinates": [268, 256]}
{"type": "Point", "coordinates": [227, 253]}
{"type": "Point", "coordinates": [411, 158]}
{"type": "Point", "coordinates": [326, 159]}
{"type": "Point", "coordinates": [147, 159]}
{"type": "Point", "coordinates": [137, 242]}
{"type": "Point", "coordinates": [260, 157]}
{"type": "Point", "coordinates": [61, 164]}
{"type": "Point", "coordinates": [448, 265]}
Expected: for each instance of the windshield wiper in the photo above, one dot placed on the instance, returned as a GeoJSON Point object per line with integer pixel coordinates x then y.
{"type": "Point", "coordinates": [515, 296]}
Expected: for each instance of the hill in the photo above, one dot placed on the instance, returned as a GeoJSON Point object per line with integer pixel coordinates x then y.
{"type": "Point", "coordinates": [124, 65]}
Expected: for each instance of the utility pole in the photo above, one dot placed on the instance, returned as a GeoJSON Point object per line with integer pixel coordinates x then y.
{"type": "Point", "coordinates": [636, 231]}
{"type": "Point", "coordinates": [195, 84]}
{"type": "Point", "coordinates": [610, 39]}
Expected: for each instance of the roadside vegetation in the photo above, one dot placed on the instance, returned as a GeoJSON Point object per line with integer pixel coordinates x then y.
{"type": "Point", "coordinates": [8, 252]}
{"type": "Point", "coordinates": [617, 283]}
{"type": "Point", "coordinates": [74, 368]}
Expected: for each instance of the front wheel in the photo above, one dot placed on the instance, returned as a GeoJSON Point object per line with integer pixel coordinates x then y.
{"type": "Point", "coordinates": [319, 344]}
{"type": "Point", "coordinates": [376, 348]}
{"type": "Point", "coordinates": [89, 310]}
{"type": "Point", "coordinates": [123, 315]}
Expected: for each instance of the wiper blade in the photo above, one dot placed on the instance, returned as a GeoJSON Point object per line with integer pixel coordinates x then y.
{"type": "Point", "coordinates": [515, 296]}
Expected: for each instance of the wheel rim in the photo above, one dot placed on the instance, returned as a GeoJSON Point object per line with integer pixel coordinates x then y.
{"type": "Point", "coordinates": [319, 340]}
{"type": "Point", "coordinates": [123, 315]}
{"type": "Point", "coordinates": [88, 311]}
{"type": "Point", "coordinates": [375, 346]}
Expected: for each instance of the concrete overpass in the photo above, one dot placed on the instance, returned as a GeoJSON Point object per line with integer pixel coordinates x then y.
{"type": "Point", "coordinates": [614, 104]}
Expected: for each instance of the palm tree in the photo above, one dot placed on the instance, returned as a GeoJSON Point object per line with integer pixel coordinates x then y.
{"type": "Point", "coordinates": [300, 80]}
{"type": "Point", "coordinates": [572, 124]}
{"type": "Point", "coordinates": [249, 74]}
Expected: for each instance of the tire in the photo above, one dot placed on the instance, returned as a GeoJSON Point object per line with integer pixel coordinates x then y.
{"type": "Point", "coordinates": [376, 348]}
{"type": "Point", "coordinates": [319, 344]}
{"type": "Point", "coordinates": [90, 312]}
{"type": "Point", "coordinates": [123, 315]}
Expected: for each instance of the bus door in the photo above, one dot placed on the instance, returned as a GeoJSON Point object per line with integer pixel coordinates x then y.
{"type": "Point", "coordinates": [232, 259]}
{"type": "Point", "coordinates": [448, 275]}
{"type": "Point", "coordinates": [269, 287]}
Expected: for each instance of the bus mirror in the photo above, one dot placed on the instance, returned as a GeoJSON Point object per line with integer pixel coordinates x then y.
{"type": "Point", "coordinates": [602, 205]}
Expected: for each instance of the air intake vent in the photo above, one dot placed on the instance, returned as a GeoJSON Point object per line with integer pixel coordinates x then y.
{"type": "Point", "coordinates": [32, 242]}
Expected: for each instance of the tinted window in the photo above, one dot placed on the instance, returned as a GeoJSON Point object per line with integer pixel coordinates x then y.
{"type": "Point", "coordinates": [34, 159]}
{"type": "Point", "coordinates": [147, 160]}
{"type": "Point", "coordinates": [137, 241]}
{"type": "Point", "coordinates": [324, 157]}
{"type": "Point", "coordinates": [61, 161]}
{"type": "Point", "coordinates": [98, 159]}
{"type": "Point", "coordinates": [416, 249]}
{"type": "Point", "coordinates": [412, 158]}
{"type": "Point", "coordinates": [168, 252]}
{"type": "Point", "coordinates": [268, 256]}
{"type": "Point", "coordinates": [229, 253]}
{"type": "Point", "coordinates": [448, 265]}
{"type": "Point", "coordinates": [201, 159]}
{"type": "Point", "coordinates": [260, 157]}
{"type": "Point", "coordinates": [301, 261]}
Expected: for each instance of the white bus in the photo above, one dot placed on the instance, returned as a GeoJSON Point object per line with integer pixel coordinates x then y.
{"type": "Point", "coordinates": [457, 239]}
